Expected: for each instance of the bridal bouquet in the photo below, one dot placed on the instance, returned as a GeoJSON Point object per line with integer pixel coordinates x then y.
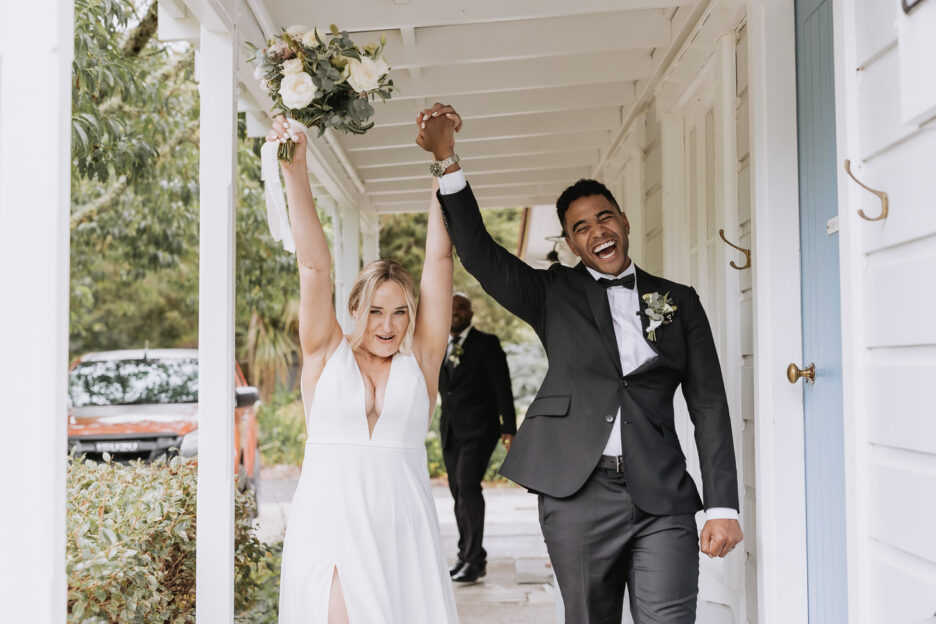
{"type": "Point", "coordinates": [322, 80]}
{"type": "Point", "coordinates": [316, 80]}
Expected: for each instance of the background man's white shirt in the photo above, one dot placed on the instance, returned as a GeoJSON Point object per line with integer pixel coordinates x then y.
{"type": "Point", "coordinates": [628, 332]}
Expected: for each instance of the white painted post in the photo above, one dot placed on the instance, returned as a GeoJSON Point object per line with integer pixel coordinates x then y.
{"type": "Point", "coordinates": [345, 226]}
{"type": "Point", "coordinates": [35, 200]}
{"type": "Point", "coordinates": [215, 532]}
{"type": "Point", "coordinates": [780, 467]}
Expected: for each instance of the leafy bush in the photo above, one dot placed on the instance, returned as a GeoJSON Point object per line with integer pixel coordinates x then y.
{"type": "Point", "coordinates": [282, 429]}
{"type": "Point", "coordinates": [130, 553]}
{"type": "Point", "coordinates": [265, 607]}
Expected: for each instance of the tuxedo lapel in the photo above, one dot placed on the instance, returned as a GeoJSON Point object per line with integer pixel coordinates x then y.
{"type": "Point", "coordinates": [598, 301]}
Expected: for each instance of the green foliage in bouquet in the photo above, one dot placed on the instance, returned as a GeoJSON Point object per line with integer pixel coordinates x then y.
{"type": "Point", "coordinates": [322, 84]}
{"type": "Point", "coordinates": [130, 552]}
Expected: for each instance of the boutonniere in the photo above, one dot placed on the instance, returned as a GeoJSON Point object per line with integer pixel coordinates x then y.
{"type": "Point", "coordinates": [456, 354]}
{"type": "Point", "coordinates": [660, 311]}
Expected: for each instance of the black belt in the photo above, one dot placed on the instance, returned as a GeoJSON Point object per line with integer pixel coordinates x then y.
{"type": "Point", "coordinates": [611, 462]}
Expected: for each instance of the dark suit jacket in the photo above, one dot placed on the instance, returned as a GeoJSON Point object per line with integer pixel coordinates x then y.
{"type": "Point", "coordinates": [568, 424]}
{"type": "Point", "coordinates": [477, 394]}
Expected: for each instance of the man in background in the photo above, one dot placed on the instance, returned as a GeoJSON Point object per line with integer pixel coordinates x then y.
{"type": "Point", "coordinates": [477, 410]}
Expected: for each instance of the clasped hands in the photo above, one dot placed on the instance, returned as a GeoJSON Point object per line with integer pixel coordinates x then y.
{"type": "Point", "coordinates": [433, 134]}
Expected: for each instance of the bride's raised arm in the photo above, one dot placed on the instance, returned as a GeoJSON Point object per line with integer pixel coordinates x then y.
{"type": "Point", "coordinates": [319, 331]}
{"type": "Point", "coordinates": [434, 312]}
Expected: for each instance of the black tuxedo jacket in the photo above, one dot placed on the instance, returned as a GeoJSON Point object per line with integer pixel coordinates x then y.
{"type": "Point", "coordinates": [477, 393]}
{"type": "Point", "coordinates": [567, 426]}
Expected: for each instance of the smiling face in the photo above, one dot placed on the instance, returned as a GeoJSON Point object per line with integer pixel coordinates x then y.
{"type": "Point", "coordinates": [597, 231]}
{"type": "Point", "coordinates": [387, 320]}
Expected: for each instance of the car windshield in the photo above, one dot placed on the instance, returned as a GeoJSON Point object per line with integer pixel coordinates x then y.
{"type": "Point", "coordinates": [132, 382]}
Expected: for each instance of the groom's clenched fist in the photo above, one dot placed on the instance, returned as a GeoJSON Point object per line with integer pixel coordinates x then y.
{"type": "Point", "coordinates": [436, 130]}
{"type": "Point", "coordinates": [720, 536]}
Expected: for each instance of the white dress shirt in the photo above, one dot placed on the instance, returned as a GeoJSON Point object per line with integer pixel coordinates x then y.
{"type": "Point", "coordinates": [628, 332]}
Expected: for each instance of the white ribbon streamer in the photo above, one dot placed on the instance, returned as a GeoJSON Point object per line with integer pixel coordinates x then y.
{"type": "Point", "coordinates": [277, 217]}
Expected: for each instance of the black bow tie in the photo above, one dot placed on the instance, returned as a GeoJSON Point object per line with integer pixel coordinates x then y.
{"type": "Point", "coordinates": [627, 281]}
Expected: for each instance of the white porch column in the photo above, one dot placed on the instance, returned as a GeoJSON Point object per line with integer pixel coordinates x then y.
{"type": "Point", "coordinates": [215, 533]}
{"type": "Point", "coordinates": [370, 236]}
{"type": "Point", "coordinates": [779, 451]}
{"type": "Point", "coordinates": [346, 254]}
{"type": "Point", "coordinates": [35, 198]}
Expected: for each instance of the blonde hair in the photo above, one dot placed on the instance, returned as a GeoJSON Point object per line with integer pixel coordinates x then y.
{"type": "Point", "coordinates": [372, 277]}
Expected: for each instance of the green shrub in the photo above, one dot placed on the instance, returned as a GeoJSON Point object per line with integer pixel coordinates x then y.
{"type": "Point", "coordinates": [282, 429]}
{"type": "Point", "coordinates": [130, 555]}
{"type": "Point", "coordinates": [265, 607]}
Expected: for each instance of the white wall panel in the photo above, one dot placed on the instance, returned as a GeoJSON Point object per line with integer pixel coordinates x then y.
{"type": "Point", "coordinates": [879, 105]}
{"type": "Point", "coordinates": [874, 27]}
{"type": "Point", "coordinates": [902, 485]}
{"type": "Point", "coordinates": [904, 588]}
{"type": "Point", "coordinates": [898, 295]}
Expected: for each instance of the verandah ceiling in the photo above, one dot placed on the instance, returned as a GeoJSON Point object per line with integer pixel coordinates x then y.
{"type": "Point", "coordinates": [543, 86]}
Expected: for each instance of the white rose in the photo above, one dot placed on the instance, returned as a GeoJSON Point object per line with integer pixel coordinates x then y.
{"type": "Point", "coordinates": [292, 66]}
{"type": "Point", "coordinates": [363, 75]}
{"type": "Point", "coordinates": [259, 72]}
{"type": "Point", "coordinates": [296, 30]}
{"type": "Point", "coordinates": [382, 67]}
{"type": "Point", "coordinates": [297, 90]}
{"type": "Point", "coordinates": [309, 38]}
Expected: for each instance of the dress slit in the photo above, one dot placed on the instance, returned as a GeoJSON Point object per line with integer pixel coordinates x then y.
{"type": "Point", "coordinates": [336, 593]}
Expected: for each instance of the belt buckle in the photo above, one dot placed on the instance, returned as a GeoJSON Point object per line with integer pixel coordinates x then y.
{"type": "Point", "coordinates": [617, 463]}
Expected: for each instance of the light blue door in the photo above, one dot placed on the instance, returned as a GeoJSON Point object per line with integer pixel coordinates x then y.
{"type": "Point", "coordinates": [822, 336]}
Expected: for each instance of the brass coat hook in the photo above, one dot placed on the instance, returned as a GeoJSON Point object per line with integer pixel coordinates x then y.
{"type": "Point", "coordinates": [746, 252]}
{"type": "Point", "coordinates": [881, 195]}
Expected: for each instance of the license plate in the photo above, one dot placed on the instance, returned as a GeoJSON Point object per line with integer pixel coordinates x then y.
{"type": "Point", "coordinates": [129, 446]}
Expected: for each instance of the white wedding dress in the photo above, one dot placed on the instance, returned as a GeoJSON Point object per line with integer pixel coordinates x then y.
{"type": "Point", "coordinates": [364, 506]}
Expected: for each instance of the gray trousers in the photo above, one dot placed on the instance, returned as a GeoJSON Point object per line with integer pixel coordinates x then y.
{"type": "Point", "coordinates": [600, 543]}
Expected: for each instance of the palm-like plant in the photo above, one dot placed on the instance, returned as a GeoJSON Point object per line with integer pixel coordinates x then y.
{"type": "Point", "coordinates": [271, 350]}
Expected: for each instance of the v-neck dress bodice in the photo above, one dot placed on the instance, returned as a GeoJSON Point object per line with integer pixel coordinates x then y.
{"type": "Point", "coordinates": [364, 506]}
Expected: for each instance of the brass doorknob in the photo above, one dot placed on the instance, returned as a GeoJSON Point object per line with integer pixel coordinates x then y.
{"type": "Point", "coordinates": [794, 373]}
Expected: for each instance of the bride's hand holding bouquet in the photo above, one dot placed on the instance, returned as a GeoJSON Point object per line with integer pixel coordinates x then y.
{"type": "Point", "coordinates": [315, 80]}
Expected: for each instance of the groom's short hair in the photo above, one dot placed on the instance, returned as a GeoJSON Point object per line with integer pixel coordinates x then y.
{"type": "Point", "coordinates": [582, 188]}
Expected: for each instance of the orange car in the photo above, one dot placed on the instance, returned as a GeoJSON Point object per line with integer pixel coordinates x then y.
{"type": "Point", "coordinates": [140, 404]}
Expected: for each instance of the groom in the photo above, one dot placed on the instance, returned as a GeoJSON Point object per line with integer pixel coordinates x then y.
{"type": "Point", "coordinates": [598, 443]}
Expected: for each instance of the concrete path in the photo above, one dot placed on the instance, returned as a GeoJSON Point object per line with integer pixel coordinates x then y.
{"type": "Point", "coordinates": [518, 586]}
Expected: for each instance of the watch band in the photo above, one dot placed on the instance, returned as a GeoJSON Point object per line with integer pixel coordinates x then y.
{"type": "Point", "coordinates": [438, 167]}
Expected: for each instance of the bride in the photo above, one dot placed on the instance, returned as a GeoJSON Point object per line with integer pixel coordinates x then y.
{"type": "Point", "coordinates": [362, 543]}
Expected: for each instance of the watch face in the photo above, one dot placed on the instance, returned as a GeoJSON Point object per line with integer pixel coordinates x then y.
{"type": "Point", "coordinates": [435, 168]}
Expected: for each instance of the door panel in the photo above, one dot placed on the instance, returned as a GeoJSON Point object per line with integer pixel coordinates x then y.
{"type": "Point", "coordinates": [823, 428]}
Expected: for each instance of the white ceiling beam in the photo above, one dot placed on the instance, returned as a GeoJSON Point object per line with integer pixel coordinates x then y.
{"type": "Point", "coordinates": [568, 71]}
{"type": "Point", "coordinates": [487, 178]}
{"type": "Point", "coordinates": [262, 14]}
{"type": "Point", "coordinates": [173, 8]}
{"type": "Point", "coordinates": [500, 190]}
{"type": "Point", "coordinates": [485, 200]}
{"type": "Point", "coordinates": [579, 34]}
{"type": "Point", "coordinates": [488, 164]}
{"type": "Point", "coordinates": [536, 124]}
{"type": "Point", "coordinates": [514, 146]}
{"type": "Point", "coordinates": [507, 103]}
{"type": "Point", "coordinates": [212, 14]}
{"type": "Point", "coordinates": [383, 15]}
